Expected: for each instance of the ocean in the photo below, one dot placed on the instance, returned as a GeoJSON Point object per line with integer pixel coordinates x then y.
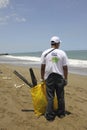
{"type": "Point", "coordinates": [77, 60]}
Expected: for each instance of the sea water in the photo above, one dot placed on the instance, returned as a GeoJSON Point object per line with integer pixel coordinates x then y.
{"type": "Point", "coordinates": [77, 60]}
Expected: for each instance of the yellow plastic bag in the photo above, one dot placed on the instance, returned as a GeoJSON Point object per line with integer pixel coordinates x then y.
{"type": "Point", "coordinates": [39, 99]}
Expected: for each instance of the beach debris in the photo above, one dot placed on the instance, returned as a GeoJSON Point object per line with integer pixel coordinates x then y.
{"type": "Point", "coordinates": [22, 78]}
{"type": "Point", "coordinates": [1, 72]}
{"type": "Point", "coordinates": [18, 86]}
{"type": "Point", "coordinates": [6, 77]}
{"type": "Point", "coordinates": [33, 78]}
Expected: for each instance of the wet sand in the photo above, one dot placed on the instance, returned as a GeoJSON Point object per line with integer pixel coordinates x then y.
{"type": "Point", "coordinates": [16, 107]}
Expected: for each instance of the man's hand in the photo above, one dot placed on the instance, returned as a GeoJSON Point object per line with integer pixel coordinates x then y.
{"type": "Point", "coordinates": [65, 82]}
{"type": "Point", "coordinates": [42, 80]}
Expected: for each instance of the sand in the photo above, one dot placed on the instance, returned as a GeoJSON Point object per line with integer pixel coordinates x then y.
{"type": "Point", "coordinates": [16, 107]}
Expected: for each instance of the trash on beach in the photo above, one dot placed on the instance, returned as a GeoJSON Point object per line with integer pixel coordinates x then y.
{"type": "Point", "coordinates": [22, 78]}
{"type": "Point", "coordinates": [18, 86]}
{"type": "Point", "coordinates": [6, 77]}
{"type": "Point", "coordinates": [1, 72]}
{"type": "Point", "coordinates": [33, 78]}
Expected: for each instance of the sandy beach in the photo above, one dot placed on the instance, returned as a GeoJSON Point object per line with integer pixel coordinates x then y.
{"type": "Point", "coordinates": [16, 107]}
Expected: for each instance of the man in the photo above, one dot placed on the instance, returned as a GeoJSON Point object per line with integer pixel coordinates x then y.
{"type": "Point", "coordinates": [54, 70]}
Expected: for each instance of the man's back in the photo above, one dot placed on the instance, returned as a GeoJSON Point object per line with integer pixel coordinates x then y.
{"type": "Point", "coordinates": [55, 60]}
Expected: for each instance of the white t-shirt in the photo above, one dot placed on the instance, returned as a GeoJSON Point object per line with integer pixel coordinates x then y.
{"type": "Point", "coordinates": [54, 61]}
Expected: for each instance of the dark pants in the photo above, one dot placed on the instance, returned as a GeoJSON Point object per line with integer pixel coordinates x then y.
{"type": "Point", "coordinates": [55, 83]}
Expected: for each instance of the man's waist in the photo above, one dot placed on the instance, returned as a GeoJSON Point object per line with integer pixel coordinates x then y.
{"type": "Point", "coordinates": [54, 74]}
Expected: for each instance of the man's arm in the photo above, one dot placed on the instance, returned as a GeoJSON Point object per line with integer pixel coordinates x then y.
{"type": "Point", "coordinates": [65, 71]}
{"type": "Point", "coordinates": [42, 71]}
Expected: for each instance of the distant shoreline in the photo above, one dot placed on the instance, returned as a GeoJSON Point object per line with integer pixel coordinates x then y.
{"type": "Point", "coordinates": [1, 54]}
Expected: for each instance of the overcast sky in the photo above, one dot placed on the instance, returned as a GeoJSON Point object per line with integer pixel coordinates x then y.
{"type": "Point", "coordinates": [28, 25]}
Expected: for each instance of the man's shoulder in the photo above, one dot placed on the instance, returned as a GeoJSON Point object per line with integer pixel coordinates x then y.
{"type": "Point", "coordinates": [60, 51]}
{"type": "Point", "coordinates": [46, 51]}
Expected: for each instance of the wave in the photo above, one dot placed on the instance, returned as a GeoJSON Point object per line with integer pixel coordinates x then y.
{"type": "Point", "coordinates": [78, 63]}
{"type": "Point", "coordinates": [27, 58]}
{"type": "Point", "coordinates": [72, 62]}
{"type": "Point", "coordinates": [75, 65]}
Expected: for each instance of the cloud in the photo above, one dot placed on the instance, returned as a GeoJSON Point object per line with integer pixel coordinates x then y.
{"type": "Point", "coordinates": [12, 18]}
{"type": "Point", "coordinates": [18, 19]}
{"type": "Point", "coordinates": [4, 3]}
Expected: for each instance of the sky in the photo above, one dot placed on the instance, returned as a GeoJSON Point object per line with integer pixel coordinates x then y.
{"type": "Point", "coordinates": [28, 25]}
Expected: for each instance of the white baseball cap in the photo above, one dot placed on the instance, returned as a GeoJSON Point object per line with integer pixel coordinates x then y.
{"type": "Point", "coordinates": [55, 39]}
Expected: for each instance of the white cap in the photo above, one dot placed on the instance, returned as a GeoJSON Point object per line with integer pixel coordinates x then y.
{"type": "Point", "coordinates": [55, 39]}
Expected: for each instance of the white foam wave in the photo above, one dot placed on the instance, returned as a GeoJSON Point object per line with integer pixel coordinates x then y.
{"type": "Point", "coordinates": [28, 58]}
{"type": "Point", "coordinates": [72, 62]}
{"type": "Point", "coordinates": [78, 63]}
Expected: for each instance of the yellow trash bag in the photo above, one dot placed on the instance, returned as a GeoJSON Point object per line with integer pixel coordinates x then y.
{"type": "Point", "coordinates": [39, 99]}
